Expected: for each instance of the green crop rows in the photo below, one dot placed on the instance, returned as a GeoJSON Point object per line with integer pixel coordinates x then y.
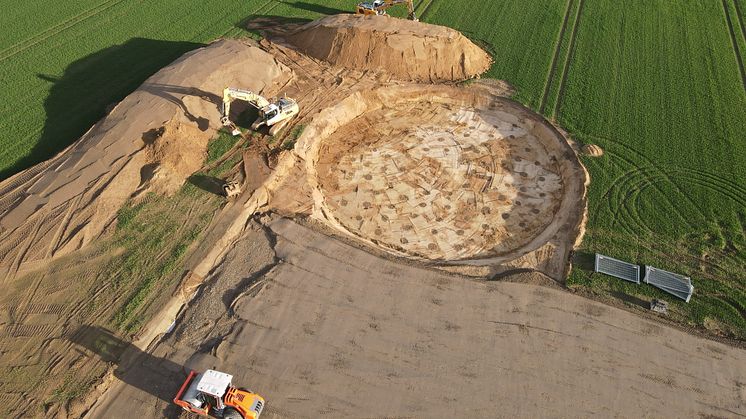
{"type": "Point", "coordinates": [658, 84]}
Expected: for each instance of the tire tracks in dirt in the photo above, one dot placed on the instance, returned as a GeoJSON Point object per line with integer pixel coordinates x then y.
{"type": "Point", "coordinates": [555, 57]}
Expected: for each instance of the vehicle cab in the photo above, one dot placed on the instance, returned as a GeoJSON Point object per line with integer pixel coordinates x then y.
{"type": "Point", "coordinates": [211, 393]}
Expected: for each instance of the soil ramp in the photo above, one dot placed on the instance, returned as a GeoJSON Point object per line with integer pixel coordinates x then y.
{"type": "Point", "coordinates": [408, 50]}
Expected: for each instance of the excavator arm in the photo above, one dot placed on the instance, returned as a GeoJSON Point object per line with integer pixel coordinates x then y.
{"type": "Point", "coordinates": [230, 94]}
{"type": "Point", "coordinates": [380, 6]}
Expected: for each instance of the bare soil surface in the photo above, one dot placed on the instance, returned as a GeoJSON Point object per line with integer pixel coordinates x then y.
{"type": "Point", "coordinates": [59, 267]}
{"type": "Point", "coordinates": [413, 51]}
{"type": "Point", "coordinates": [467, 176]}
{"type": "Point", "coordinates": [375, 317]}
{"type": "Point", "coordinates": [332, 330]}
{"type": "Point", "coordinates": [67, 202]}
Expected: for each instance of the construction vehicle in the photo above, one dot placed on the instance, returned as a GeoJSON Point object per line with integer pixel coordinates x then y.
{"type": "Point", "coordinates": [211, 393]}
{"type": "Point", "coordinates": [378, 7]}
{"type": "Point", "coordinates": [231, 189]}
{"type": "Point", "coordinates": [273, 114]}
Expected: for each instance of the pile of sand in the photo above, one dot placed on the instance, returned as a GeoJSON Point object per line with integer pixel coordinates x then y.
{"type": "Point", "coordinates": [156, 137]}
{"type": "Point", "coordinates": [177, 151]}
{"type": "Point", "coordinates": [408, 50]}
{"type": "Point", "coordinates": [593, 150]}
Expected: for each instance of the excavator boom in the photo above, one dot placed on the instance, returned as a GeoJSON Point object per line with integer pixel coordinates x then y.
{"type": "Point", "coordinates": [270, 113]}
{"type": "Point", "coordinates": [378, 7]}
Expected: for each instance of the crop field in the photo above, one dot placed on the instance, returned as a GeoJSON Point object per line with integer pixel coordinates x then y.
{"type": "Point", "coordinates": [660, 85]}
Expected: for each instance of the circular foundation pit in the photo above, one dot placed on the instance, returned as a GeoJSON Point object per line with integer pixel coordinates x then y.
{"type": "Point", "coordinates": [441, 173]}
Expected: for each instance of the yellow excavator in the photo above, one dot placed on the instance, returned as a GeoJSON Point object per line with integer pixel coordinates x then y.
{"type": "Point", "coordinates": [378, 7]}
{"type": "Point", "coordinates": [273, 114]}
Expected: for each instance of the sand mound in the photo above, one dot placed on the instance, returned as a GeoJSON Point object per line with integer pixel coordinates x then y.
{"type": "Point", "coordinates": [64, 203]}
{"type": "Point", "coordinates": [593, 150]}
{"type": "Point", "coordinates": [177, 151]}
{"type": "Point", "coordinates": [408, 50]}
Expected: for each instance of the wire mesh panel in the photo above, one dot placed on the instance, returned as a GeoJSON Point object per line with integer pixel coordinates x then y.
{"type": "Point", "coordinates": [675, 284]}
{"type": "Point", "coordinates": [617, 268]}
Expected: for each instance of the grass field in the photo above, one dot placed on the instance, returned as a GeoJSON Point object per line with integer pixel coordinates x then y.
{"type": "Point", "coordinates": [659, 84]}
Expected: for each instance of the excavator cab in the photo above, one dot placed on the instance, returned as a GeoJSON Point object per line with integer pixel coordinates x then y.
{"type": "Point", "coordinates": [274, 114]}
{"type": "Point", "coordinates": [211, 393]}
{"type": "Point", "coordinates": [378, 7]}
{"type": "Point", "coordinates": [371, 8]}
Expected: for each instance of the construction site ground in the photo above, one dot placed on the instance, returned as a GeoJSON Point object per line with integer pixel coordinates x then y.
{"type": "Point", "coordinates": [368, 290]}
{"type": "Point", "coordinates": [321, 328]}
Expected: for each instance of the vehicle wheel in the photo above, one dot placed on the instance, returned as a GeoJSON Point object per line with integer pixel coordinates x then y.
{"type": "Point", "coordinates": [230, 413]}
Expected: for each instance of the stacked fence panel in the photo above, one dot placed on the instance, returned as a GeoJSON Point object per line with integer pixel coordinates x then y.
{"type": "Point", "coordinates": [617, 268]}
{"type": "Point", "coordinates": [674, 284]}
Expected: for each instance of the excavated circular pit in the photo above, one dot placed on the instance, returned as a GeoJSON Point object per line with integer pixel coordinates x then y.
{"type": "Point", "coordinates": [463, 176]}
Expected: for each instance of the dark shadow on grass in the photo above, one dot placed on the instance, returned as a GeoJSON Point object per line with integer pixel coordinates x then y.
{"type": "Point", "coordinates": [89, 86]}
{"type": "Point", "coordinates": [317, 8]}
{"type": "Point", "coordinates": [584, 260]}
{"type": "Point", "coordinates": [631, 299]}
{"type": "Point", "coordinates": [207, 183]}
{"type": "Point", "coordinates": [156, 376]}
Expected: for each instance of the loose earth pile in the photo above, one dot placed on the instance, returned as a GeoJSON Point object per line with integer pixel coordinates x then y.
{"type": "Point", "coordinates": [409, 50]}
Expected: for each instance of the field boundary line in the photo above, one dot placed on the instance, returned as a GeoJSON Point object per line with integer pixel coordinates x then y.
{"type": "Point", "coordinates": [734, 42]}
{"type": "Point", "coordinates": [568, 59]}
{"type": "Point", "coordinates": [60, 27]}
{"type": "Point", "coordinates": [553, 66]}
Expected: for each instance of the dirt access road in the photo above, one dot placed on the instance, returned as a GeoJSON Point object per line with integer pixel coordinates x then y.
{"type": "Point", "coordinates": [322, 328]}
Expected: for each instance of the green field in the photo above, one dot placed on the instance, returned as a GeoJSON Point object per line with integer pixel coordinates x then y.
{"type": "Point", "coordinates": [658, 84]}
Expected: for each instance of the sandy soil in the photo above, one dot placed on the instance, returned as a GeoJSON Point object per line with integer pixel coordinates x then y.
{"type": "Point", "coordinates": [332, 330]}
{"type": "Point", "coordinates": [466, 176]}
{"type": "Point", "coordinates": [67, 202]}
{"type": "Point", "coordinates": [412, 51]}
{"type": "Point", "coordinates": [53, 216]}
{"type": "Point", "coordinates": [354, 322]}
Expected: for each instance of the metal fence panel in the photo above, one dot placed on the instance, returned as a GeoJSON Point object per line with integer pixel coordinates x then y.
{"type": "Point", "coordinates": [617, 268]}
{"type": "Point", "coordinates": [675, 284]}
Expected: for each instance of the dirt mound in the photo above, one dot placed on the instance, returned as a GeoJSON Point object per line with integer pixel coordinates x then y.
{"type": "Point", "coordinates": [178, 150]}
{"type": "Point", "coordinates": [64, 203]}
{"type": "Point", "coordinates": [408, 50]}
{"type": "Point", "coordinates": [593, 150]}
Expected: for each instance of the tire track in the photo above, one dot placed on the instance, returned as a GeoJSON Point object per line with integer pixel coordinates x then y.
{"type": "Point", "coordinates": [650, 163]}
{"type": "Point", "coordinates": [426, 9]}
{"type": "Point", "coordinates": [734, 43]}
{"type": "Point", "coordinates": [739, 14]}
{"type": "Point", "coordinates": [60, 27]}
{"type": "Point", "coordinates": [553, 66]}
{"type": "Point", "coordinates": [615, 192]}
{"type": "Point", "coordinates": [568, 59]}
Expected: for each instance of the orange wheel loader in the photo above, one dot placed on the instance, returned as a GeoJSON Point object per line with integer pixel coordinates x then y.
{"type": "Point", "coordinates": [211, 394]}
